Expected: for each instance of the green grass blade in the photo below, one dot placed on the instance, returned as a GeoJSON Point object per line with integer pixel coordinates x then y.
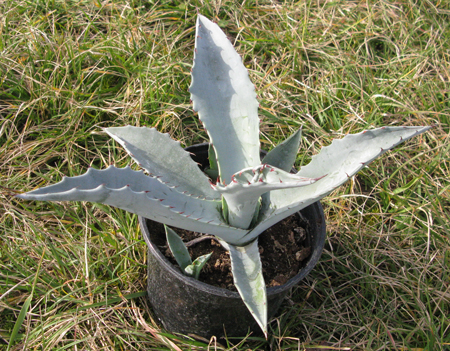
{"type": "Point", "coordinates": [20, 319]}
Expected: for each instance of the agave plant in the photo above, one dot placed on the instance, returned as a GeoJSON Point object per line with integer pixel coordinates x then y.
{"type": "Point", "coordinates": [250, 195]}
{"type": "Point", "coordinates": [181, 255]}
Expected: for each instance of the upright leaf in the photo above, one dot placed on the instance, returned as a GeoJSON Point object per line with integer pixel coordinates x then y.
{"type": "Point", "coordinates": [178, 248]}
{"type": "Point", "coordinates": [181, 254]}
{"type": "Point", "coordinates": [195, 268]}
{"type": "Point", "coordinates": [213, 170]}
{"type": "Point", "coordinates": [283, 155]}
{"type": "Point", "coordinates": [225, 99]}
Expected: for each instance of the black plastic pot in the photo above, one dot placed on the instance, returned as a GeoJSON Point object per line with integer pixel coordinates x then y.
{"type": "Point", "coordinates": [188, 306]}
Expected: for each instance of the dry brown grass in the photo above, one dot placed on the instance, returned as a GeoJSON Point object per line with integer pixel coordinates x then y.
{"type": "Point", "coordinates": [70, 68]}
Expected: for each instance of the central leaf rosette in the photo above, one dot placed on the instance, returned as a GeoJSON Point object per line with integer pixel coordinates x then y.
{"type": "Point", "coordinates": [243, 194]}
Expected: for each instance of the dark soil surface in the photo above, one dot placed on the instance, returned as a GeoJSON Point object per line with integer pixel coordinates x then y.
{"type": "Point", "coordinates": [284, 249]}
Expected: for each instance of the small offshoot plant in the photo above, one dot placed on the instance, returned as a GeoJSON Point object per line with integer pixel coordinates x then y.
{"type": "Point", "coordinates": [249, 195]}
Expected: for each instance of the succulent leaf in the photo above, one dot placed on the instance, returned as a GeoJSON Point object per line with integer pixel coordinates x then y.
{"type": "Point", "coordinates": [195, 268]}
{"type": "Point", "coordinates": [225, 99]}
{"type": "Point", "coordinates": [163, 157]}
{"type": "Point", "coordinates": [146, 196]}
{"type": "Point", "coordinates": [243, 193]}
{"type": "Point", "coordinates": [178, 248]}
{"type": "Point", "coordinates": [181, 254]}
{"type": "Point", "coordinates": [283, 155]}
{"type": "Point", "coordinates": [213, 170]}
{"type": "Point", "coordinates": [340, 161]}
{"type": "Point", "coordinates": [248, 279]}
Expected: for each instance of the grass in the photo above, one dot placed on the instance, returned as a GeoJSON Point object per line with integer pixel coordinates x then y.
{"type": "Point", "coordinates": [72, 275]}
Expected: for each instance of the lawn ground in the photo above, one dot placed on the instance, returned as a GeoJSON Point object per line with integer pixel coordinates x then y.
{"type": "Point", "coordinates": [72, 275]}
